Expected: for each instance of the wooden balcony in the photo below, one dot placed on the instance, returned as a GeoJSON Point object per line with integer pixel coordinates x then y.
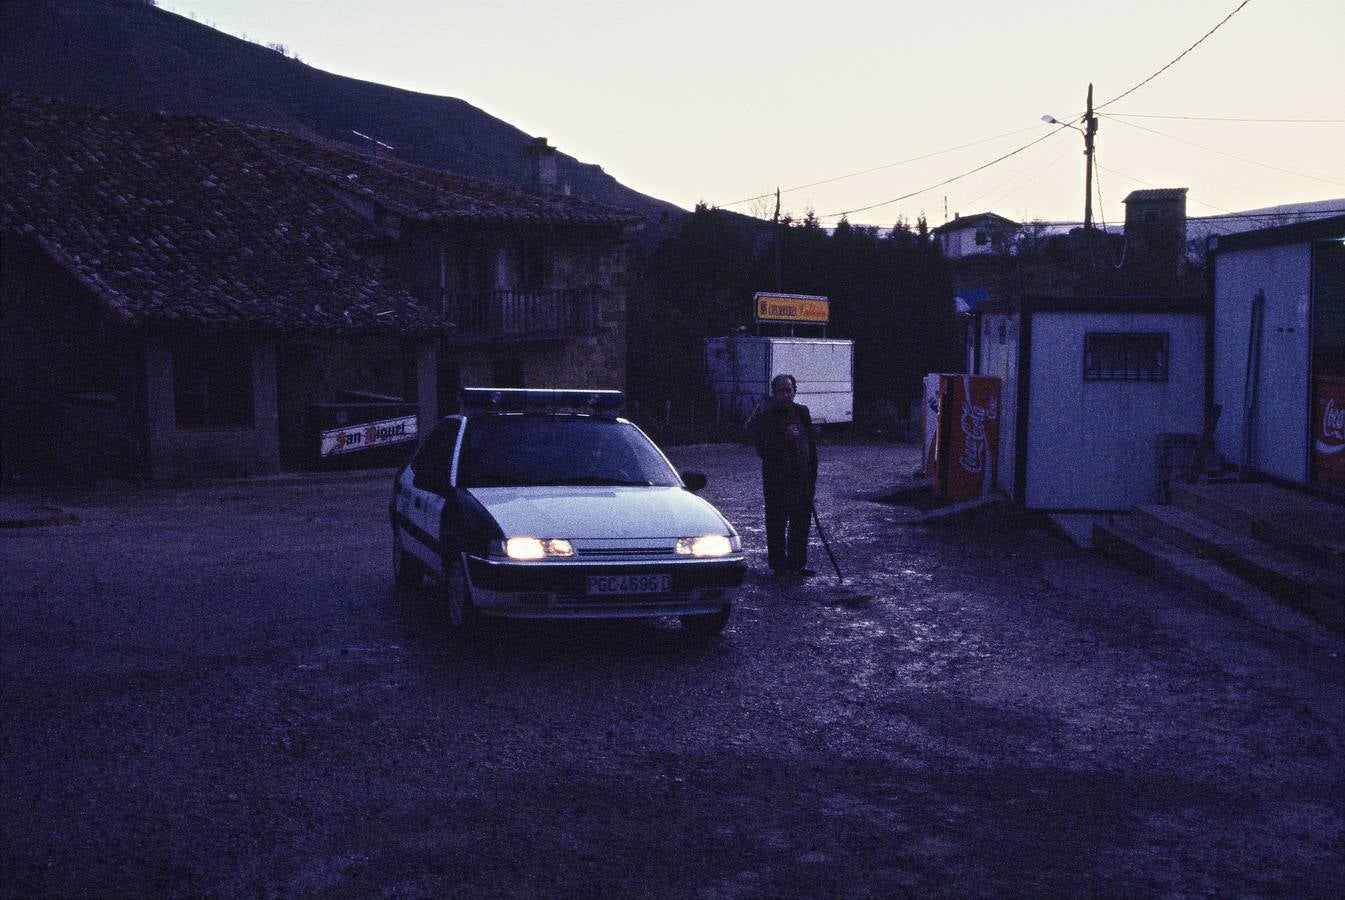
{"type": "Point", "coordinates": [550, 313]}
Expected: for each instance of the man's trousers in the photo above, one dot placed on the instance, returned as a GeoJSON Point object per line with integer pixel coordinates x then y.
{"type": "Point", "coordinates": [788, 511]}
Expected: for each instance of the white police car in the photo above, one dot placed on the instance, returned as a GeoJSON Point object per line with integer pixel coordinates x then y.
{"type": "Point", "coordinates": [523, 507]}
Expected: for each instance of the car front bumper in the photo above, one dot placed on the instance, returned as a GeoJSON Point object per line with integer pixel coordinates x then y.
{"type": "Point", "coordinates": [558, 589]}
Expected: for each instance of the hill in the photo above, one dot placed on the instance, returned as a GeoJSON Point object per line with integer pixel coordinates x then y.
{"type": "Point", "coordinates": [129, 54]}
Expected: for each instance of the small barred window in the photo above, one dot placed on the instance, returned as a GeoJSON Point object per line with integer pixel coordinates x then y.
{"type": "Point", "coordinates": [1125, 356]}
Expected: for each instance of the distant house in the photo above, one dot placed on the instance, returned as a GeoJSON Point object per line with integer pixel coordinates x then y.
{"type": "Point", "coordinates": [1279, 351]}
{"type": "Point", "coordinates": [180, 295]}
{"type": "Point", "coordinates": [980, 234]}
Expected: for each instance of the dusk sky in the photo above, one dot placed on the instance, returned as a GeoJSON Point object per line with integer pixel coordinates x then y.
{"type": "Point", "coordinates": [717, 102]}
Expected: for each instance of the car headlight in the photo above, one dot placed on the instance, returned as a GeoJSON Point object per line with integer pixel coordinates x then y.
{"type": "Point", "coordinates": [536, 548]}
{"type": "Point", "coordinates": [705, 545]}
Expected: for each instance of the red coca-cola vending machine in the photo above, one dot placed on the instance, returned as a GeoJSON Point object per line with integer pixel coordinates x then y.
{"type": "Point", "coordinates": [1328, 430]}
{"type": "Point", "coordinates": [964, 436]}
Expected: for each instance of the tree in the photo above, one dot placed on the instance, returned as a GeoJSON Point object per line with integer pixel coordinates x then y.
{"type": "Point", "coordinates": [891, 294]}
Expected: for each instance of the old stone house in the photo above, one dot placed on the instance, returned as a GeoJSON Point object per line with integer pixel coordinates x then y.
{"type": "Point", "coordinates": [180, 295]}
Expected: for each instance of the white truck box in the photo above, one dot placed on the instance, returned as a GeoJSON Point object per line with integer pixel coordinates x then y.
{"type": "Point", "coordinates": [741, 368]}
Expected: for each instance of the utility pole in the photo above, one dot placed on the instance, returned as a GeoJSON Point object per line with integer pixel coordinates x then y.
{"type": "Point", "coordinates": [776, 220]}
{"type": "Point", "coordinates": [1090, 129]}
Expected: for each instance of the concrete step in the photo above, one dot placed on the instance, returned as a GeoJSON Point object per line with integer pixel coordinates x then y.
{"type": "Point", "coordinates": [1299, 582]}
{"type": "Point", "coordinates": [1120, 539]}
{"type": "Point", "coordinates": [1292, 521]}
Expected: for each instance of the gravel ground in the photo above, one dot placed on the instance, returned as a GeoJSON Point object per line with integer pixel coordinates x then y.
{"type": "Point", "coordinates": [216, 692]}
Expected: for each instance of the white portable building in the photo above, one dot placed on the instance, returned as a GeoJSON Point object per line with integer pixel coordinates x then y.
{"type": "Point", "coordinates": [1088, 387]}
{"type": "Point", "coordinates": [1279, 350]}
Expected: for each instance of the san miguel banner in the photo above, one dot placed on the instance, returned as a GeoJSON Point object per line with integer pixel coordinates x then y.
{"type": "Point", "coordinates": [802, 308]}
{"type": "Point", "coordinates": [368, 435]}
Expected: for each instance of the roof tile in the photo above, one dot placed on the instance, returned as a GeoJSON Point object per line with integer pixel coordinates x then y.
{"type": "Point", "coordinates": [171, 219]}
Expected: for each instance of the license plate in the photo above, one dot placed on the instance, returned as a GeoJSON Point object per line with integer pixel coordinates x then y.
{"type": "Point", "coordinates": [629, 584]}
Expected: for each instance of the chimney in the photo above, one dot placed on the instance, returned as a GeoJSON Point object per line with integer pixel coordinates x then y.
{"type": "Point", "coordinates": [540, 173]}
{"type": "Point", "coordinates": [1155, 231]}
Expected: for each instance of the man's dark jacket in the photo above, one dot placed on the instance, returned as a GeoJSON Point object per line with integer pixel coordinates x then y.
{"type": "Point", "coordinates": [788, 458]}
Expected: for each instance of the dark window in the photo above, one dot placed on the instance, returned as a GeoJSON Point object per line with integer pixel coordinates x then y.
{"type": "Point", "coordinates": [507, 373]}
{"type": "Point", "coordinates": [1152, 217]}
{"type": "Point", "coordinates": [523, 450]}
{"type": "Point", "coordinates": [1328, 308]}
{"type": "Point", "coordinates": [212, 383]}
{"type": "Point", "coordinates": [535, 267]}
{"type": "Point", "coordinates": [436, 454]}
{"type": "Point", "coordinates": [1125, 356]}
{"type": "Point", "coordinates": [981, 238]}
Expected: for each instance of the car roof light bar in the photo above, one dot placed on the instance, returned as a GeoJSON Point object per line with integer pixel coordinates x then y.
{"type": "Point", "coordinates": [600, 402]}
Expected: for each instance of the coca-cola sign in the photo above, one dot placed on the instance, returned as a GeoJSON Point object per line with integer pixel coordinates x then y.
{"type": "Point", "coordinates": [1333, 421]}
{"type": "Point", "coordinates": [1328, 430]}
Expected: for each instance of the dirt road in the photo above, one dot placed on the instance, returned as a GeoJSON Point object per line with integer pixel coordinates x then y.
{"type": "Point", "coordinates": [217, 692]}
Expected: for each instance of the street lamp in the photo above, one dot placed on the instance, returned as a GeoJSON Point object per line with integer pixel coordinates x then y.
{"type": "Point", "coordinates": [1090, 129]}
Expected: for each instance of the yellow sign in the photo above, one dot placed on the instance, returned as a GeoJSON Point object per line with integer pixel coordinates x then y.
{"type": "Point", "coordinates": [792, 308]}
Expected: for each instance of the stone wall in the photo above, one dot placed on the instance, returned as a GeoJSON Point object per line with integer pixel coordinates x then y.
{"type": "Point", "coordinates": [70, 382]}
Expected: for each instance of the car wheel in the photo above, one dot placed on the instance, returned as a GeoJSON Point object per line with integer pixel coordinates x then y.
{"type": "Point", "coordinates": [463, 616]}
{"type": "Point", "coordinates": [707, 624]}
{"type": "Point", "coordinates": [407, 572]}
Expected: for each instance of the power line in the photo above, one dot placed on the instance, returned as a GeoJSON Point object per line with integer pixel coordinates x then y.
{"type": "Point", "coordinates": [880, 168]}
{"type": "Point", "coordinates": [1230, 155]}
{"type": "Point", "coordinates": [1043, 169]}
{"type": "Point", "coordinates": [1230, 119]}
{"type": "Point", "coordinates": [1179, 56]}
{"type": "Point", "coordinates": [1289, 214]}
{"type": "Point", "coordinates": [1264, 217]}
{"type": "Point", "coordinates": [1152, 185]}
{"type": "Point", "coordinates": [999, 159]}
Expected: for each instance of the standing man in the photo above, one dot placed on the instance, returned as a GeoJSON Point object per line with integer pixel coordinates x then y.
{"type": "Point", "coordinates": [783, 433]}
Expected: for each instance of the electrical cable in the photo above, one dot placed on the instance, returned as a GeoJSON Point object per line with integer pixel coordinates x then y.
{"type": "Point", "coordinates": [880, 168]}
{"type": "Point", "coordinates": [1050, 163]}
{"type": "Point", "coordinates": [979, 168]}
{"type": "Point", "coordinates": [1230, 119]}
{"type": "Point", "coordinates": [1263, 218]}
{"type": "Point", "coordinates": [1141, 84]}
{"type": "Point", "coordinates": [1314, 213]}
{"type": "Point", "coordinates": [1177, 59]}
{"type": "Point", "coordinates": [1102, 214]}
{"type": "Point", "coordinates": [1223, 153]}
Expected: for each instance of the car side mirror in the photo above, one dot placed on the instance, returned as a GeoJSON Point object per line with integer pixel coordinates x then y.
{"type": "Point", "coordinates": [434, 481]}
{"type": "Point", "coordinates": [694, 481]}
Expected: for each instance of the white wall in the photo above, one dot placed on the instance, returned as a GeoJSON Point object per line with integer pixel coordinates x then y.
{"type": "Point", "coordinates": [1280, 445]}
{"type": "Point", "coordinates": [999, 357]}
{"type": "Point", "coordinates": [1092, 445]}
{"type": "Point", "coordinates": [824, 369]}
{"type": "Point", "coordinates": [957, 244]}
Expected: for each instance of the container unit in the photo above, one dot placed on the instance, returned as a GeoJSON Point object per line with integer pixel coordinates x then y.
{"type": "Point", "coordinates": [741, 368]}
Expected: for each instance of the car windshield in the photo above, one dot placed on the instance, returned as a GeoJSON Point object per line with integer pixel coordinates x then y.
{"type": "Point", "coordinates": [526, 450]}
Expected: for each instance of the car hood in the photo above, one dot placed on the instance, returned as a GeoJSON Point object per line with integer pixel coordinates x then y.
{"type": "Point", "coordinates": [600, 512]}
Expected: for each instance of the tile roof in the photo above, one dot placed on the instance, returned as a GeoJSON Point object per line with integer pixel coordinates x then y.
{"type": "Point", "coordinates": [434, 195]}
{"type": "Point", "coordinates": [189, 221]}
{"type": "Point", "coordinates": [978, 220]}
{"type": "Point", "coordinates": [1156, 194]}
